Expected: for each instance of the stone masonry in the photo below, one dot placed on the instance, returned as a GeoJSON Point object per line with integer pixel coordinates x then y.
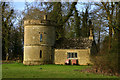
{"type": "Point", "coordinates": [39, 39]}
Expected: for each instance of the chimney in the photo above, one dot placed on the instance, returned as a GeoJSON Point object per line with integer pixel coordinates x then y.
{"type": "Point", "coordinates": [45, 17]}
{"type": "Point", "coordinates": [91, 31]}
{"type": "Point", "coordinates": [91, 34]}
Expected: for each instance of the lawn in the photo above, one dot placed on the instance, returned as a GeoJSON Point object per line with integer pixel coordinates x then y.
{"type": "Point", "coordinates": [18, 70]}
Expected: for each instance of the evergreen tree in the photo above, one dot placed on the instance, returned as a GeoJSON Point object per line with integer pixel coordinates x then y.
{"type": "Point", "coordinates": [85, 28]}
{"type": "Point", "coordinates": [77, 24]}
{"type": "Point", "coordinates": [7, 24]}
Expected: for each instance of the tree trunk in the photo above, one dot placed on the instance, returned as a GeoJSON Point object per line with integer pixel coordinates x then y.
{"type": "Point", "coordinates": [110, 39]}
{"type": "Point", "coordinates": [99, 41]}
{"type": "Point", "coordinates": [118, 21]}
{"type": "Point", "coordinates": [109, 17]}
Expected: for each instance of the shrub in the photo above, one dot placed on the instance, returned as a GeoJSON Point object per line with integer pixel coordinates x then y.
{"type": "Point", "coordinates": [105, 61]}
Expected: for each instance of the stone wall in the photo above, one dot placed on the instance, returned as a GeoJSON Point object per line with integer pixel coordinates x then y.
{"type": "Point", "coordinates": [83, 56]}
{"type": "Point", "coordinates": [32, 44]}
{"type": "Point", "coordinates": [32, 35]}
{"type": "Point", "coordinates": [32, 55]}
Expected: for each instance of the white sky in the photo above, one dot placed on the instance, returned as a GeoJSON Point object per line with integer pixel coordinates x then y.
{"type": "Point", "coordinates": [21, 5]}
{"type": "Point", "coordinates": [62, 0]}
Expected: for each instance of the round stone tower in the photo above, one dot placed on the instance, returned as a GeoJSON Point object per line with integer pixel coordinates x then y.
{"type": "Point", "coordinates": [39, 40]}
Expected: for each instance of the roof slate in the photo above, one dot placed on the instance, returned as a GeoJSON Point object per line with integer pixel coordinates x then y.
{"type": "Point", "coordinates": [73, 43]}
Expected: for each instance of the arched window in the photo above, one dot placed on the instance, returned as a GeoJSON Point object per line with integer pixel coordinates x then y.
{"type": "Point", "coordinates": [40, 37]}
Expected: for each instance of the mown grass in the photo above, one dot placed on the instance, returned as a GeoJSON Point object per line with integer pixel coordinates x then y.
{"type": "Point", "coordinates": [18, 70]}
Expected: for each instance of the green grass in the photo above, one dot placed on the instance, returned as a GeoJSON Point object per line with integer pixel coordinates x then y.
{"type": "Point", "coordinates": [18, 70]}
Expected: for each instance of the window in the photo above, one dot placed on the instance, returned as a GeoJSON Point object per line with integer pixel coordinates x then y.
{"type": "Point", "coordinates": [40, 53]}
{"type": "Point", "coordinates": [75, 55]}
{"type": "Point", "coordinates": [50, 57]}
{"type": "Point", "coordinates": [71, 55]}
{"type": "Point", "coordinates": [68, 55]}
{"type": "Point", "coordinates": [40, 37]}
